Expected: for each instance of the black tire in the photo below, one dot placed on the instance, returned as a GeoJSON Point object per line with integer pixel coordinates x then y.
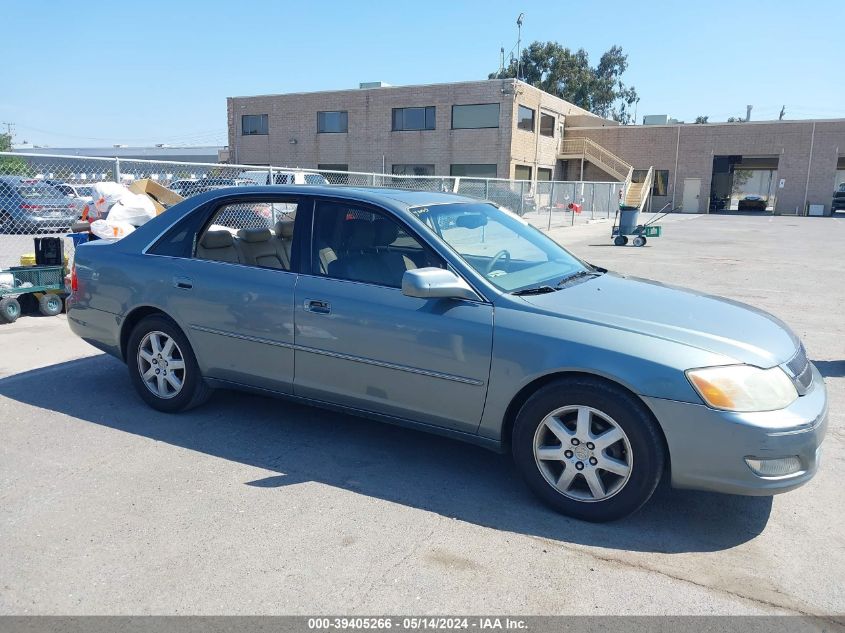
{"type": "Point", "coordinates": [645, 456]}
{"type": "Point", "coordinates": [620, 240]}
{"type": "Point", "coordinates": [194, 390]}
{"type": "Point", "coordinates": [640, 241]}
{"type": "Point", "coordinates": [10, 310]}
{"type": "Point", "coordinates": [50, 304]}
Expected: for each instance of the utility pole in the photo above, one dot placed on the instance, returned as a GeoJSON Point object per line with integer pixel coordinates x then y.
{"type": "Point", "coordinates": [782, 113]}
{"type": "Point", "coordinates": [518, 43]}
{"type": "Point", "coordinates": [502, 62]}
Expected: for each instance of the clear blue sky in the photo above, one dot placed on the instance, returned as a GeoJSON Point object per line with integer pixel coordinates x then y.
{"type": "Point", "coordinates": [93, 73]}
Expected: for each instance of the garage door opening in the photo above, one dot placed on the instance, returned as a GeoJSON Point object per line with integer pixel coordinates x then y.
{"type": "Point", "coordinates": [744, 184]}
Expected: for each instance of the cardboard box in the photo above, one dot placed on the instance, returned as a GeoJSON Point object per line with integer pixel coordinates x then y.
{"type": "Point", "coordinates": [161, 196]}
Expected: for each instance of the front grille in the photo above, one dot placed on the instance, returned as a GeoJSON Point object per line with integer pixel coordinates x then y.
{"type": "Point", "coordinates": [799, 369]}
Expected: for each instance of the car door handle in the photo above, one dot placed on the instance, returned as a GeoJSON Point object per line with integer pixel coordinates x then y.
{"type": "Point", "coordinates": [318, 306]}
{"type": "Point", "coordinates": [185, 283]}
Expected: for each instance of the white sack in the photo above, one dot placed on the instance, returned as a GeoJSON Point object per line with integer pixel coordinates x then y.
{"type": "Point", "coordinates": [134, 208]}
{"type": "Point", "coordinates": [111, 230]}
{"type": "Point", "coordinates": [106, 194]}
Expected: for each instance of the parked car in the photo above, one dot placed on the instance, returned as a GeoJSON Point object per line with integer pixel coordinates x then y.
{"type": "Point", "coordinates": [452, 315]}
{"type": "Point", "coordinates": [83, 193]}
{"type": "Point", "coordinates": [752, 203]}
{"type": "Point", "coordinates": [29, 205]}
{"type": "Point", "coordinates": [838, 199]}
{"type": "Point", "coordinates": [188, 188]}
{"type": "Point", "coordinates": [284, 177]}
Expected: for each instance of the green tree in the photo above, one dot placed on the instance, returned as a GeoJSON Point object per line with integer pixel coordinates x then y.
{"type": "Point", "coordinates": [11, 166]}
{"type": "Point", "coordinates": [567, 74]}
{"type": "Point", "coordinates": [701, 119]}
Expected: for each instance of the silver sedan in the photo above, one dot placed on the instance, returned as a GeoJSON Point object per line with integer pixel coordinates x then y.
{"type": "Point", "coordinates": [454, 316]}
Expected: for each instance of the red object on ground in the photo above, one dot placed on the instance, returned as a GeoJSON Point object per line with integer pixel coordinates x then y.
{"type": "Point", "coordinates": [575, 207]}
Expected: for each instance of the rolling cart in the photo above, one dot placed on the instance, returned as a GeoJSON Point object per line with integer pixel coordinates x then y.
{"type": "Point", "coordinates": [44, 283]}
{"type": "Point", "coordinates": [625, 225]}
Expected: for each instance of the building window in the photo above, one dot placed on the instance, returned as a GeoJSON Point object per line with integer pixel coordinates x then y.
{"type": "Point", "coordinates": [413, 119]}
{"type": "Point", "coordinates": [254, 124]}
{"type": "Point", "coordinates": [522, 172]}
{"type": "Point", "coordinates": [333, 122]}
{"type": "Point", "coordinates": [408, 169]}
{"type": "Point", "coordinates": [482, 115]}
{"type": "Point", "coordinates": [525, 119]}
{"type": "Point", "coordinates": [660, 186]}
{"type": "Point", "coordinates": [544, 173]}
{"type": "Point", "coordinates": [547, 125]}
{"type": "Point", "coordinates": [470, 170]}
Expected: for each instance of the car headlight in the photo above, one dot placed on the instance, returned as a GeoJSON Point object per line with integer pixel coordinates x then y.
{"type": "Point", "coordinates": [743, 387]}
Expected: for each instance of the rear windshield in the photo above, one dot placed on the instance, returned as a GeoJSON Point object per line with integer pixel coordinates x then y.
{"type": "Point", "coordinates": [39, 191]}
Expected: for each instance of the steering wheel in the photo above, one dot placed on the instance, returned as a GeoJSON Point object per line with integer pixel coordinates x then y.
{"type": "Point", "coordinates": [503, 254]}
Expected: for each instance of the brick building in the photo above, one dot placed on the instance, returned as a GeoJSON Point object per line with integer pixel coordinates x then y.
{"type": "Point", "coordinates": [509, 129]}
{"type": "Point", "coordinates": [470, 128]}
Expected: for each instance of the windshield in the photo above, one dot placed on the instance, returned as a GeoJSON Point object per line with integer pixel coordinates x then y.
{"type": "Point", "coordinates": [39, 191]}
{"type": "Point", "coordinates": [508, 251]}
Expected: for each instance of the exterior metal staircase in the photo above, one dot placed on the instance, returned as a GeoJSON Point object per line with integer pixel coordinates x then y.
{"type": "Point", "coordinates": [635, 194]}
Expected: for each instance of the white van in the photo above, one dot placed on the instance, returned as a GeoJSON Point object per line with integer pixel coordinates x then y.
{"type": "Point", "coordinates": [284, 177]}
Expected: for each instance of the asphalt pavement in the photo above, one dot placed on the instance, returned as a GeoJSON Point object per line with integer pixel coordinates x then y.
{"type": "Point", "coordinates": [251, 505]}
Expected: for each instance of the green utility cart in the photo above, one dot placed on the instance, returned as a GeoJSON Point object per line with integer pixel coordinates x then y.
{"type": "Point", "coordinates": [45, 284]}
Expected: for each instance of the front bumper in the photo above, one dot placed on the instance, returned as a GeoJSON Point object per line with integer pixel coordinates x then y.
{"type": "Point", "coordinates": [707, 448]}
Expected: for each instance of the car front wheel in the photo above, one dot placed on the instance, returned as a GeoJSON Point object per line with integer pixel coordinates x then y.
{"type": "Point", "coordinates": [163, 367]}
{"type": "Point", "coordinates": [588, 449]}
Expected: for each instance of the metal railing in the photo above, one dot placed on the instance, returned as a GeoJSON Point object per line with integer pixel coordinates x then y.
{"type": "Point", "coordinates": [595, 153]}
{"type": "Point", "coordinates": [25, 212]}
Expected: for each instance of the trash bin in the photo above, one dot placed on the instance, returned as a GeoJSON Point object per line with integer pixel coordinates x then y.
{"type": "Point", "coordinates": [628, 218]}
{"type": "Point", "coordinates": [78, 238]}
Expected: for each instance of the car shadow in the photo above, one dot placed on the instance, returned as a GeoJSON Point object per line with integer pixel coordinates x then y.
{"type": "Point", "coordinates": [830, 368]}
{"type": "Point", "coordinates": [420, 470]}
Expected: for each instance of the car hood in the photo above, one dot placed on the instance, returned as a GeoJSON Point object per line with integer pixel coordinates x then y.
{"type": "Point", "coordinates": [684, 316]}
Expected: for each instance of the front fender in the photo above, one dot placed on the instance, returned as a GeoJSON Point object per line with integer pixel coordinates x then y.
{"type": "Point", "coordinates": [529, 347]}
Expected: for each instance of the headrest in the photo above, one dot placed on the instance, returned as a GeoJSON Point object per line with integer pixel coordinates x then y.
{"type": "Point", "coordinates": [254, 235]}
{"type": "Point", "coordinates": [386, 232]}
{"type": "Point", "coordinates": [217, 239]}
{"type": "Point", "coordinates": [360, 234]}
{"type": "Point", "coordinates": [284, 228]}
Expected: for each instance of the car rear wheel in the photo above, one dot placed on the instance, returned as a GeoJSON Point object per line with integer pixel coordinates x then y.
{"type": "Point", "coordinates": [163, 367]}
{"type": "Point", "coordinates": [588, 449]}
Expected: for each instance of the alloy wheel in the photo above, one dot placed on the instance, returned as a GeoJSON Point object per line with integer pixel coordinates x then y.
{"type": "Point", "coordinates": [583, 453]}
{"type": "Point", "coordinates": [161, 365]}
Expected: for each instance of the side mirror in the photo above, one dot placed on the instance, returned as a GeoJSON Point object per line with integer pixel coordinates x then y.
{"type": "Point", "coordinates": [435, 283]}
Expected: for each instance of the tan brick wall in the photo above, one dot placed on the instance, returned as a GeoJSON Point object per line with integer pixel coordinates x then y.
{"type": "Point", "coordinates": [370, 137]}
{"type": "Point", "coordinates": [645, 146]}
{"type": "Point", "coordinates": [532, 148]}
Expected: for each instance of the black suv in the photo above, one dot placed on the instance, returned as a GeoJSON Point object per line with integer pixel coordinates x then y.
{"type": "Point", "coordinates": [838, 199]}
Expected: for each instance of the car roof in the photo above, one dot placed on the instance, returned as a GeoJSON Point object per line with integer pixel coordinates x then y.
{"type": "Point", "coordinates": [375, 195]}
{"type": "Point", "coordinates": [16, 180]}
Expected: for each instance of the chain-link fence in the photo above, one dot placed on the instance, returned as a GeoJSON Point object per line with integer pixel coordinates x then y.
{"type": "Point", "coordinates": [44, 194]}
